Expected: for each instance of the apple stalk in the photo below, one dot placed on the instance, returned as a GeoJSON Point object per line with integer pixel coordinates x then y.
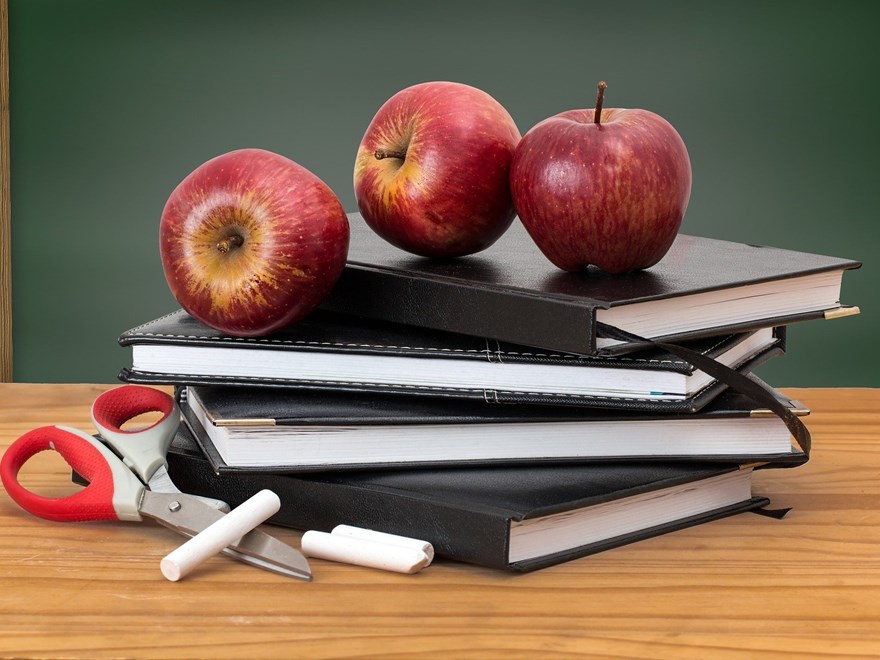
{"type": "Point", "coordinates": [229, 243]}
{"type": "Point", "coordinates": [381, 154]}
{"type": "Point", "coordinates": [600, 96]}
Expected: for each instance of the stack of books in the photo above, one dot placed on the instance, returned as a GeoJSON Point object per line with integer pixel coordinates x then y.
{"type": "Point", "coordinates": [513, 415]}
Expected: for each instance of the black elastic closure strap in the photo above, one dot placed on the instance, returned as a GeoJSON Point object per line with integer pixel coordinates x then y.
{"type": "Point", "coordinates": [776, 514]}
{"type": "Point", "coordinates": [730, 377]}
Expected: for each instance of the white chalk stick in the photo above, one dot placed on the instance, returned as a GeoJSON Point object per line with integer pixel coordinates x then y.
{"type": "Point", "coordinates": [384, 537]}
{"type": "Point", "coordinates": [220, 534]}
{"type": "Point", "coordinates": [350, 550]}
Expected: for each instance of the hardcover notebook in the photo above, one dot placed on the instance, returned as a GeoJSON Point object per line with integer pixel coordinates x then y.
{"type": "Point", "coordinates": [282, 430]}
{"type": "Point", "coordinates": [511, 292]}
{"type": "Point", "coordinates": [517, 518]}
{"type": "Point", "coordinates": [333, 351]}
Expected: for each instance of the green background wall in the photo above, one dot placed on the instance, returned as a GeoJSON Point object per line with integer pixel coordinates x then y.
{"type": "Point", "coordinates": [114, 102]}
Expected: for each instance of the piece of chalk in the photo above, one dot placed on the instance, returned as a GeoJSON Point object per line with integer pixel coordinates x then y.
{"type": "Point", "coordinates": [350, 550]}
{"type": "Point", "coordinates": [220, 534]}
{"type": "Point", "coordinates": [384, 537]}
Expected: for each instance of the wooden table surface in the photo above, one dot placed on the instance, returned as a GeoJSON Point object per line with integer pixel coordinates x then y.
{"type": "Point", "coordinates": [808, 585]}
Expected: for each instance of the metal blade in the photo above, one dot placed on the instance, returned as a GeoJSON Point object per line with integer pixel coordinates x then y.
{"type": "Point", "coordinates": [188, 515]}
{"type": "Point", "coordinates": [161, 482]}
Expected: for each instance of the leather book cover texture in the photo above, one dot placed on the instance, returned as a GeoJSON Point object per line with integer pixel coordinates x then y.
{"type": "Point", "coordinates": [465, 513]}
{"type": "Point", "coordinates": [330, 333]}
{"type": "Point", "coordinates": [511, 292]}
{"type": "Point", "coordinates": [331, 413]}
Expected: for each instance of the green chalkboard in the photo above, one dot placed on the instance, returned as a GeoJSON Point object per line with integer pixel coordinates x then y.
{"type": "Point", "coordinates": [113, 102]}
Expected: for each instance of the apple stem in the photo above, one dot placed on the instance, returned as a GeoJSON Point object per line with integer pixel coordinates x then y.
{"type": "Point", "coordinates": [385, 153]}
{"type": "Point", "coordinates": [599, 97]}
{"type": "Point", "coordinates": [230, 242]}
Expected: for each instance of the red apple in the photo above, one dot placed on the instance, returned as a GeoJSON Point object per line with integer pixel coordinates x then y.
{"type": "Point", "coordinates": [607, 188]}
{"type": "Point", "coordinates": [432, 173]}
{"type": "Point", "coordinates": [251, 242]}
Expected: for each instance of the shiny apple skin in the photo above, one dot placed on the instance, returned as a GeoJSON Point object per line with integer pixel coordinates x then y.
{"type": "Point", "coordinates": [450, 195]}
{"type": "Point", "coordinates": [612, 195]}
{"type": "Point", "coordinates": [295, 242]}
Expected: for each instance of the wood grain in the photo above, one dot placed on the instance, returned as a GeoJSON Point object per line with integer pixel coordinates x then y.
{"type": "Point", "coordinates": [747, 586]}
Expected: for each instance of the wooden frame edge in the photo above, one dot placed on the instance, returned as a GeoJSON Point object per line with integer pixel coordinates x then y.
{"type": "Point", "coordinates": [5, 205]}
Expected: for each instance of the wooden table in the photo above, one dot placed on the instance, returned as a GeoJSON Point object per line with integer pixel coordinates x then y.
{"type": "Point", "coordinates": [808, 585]}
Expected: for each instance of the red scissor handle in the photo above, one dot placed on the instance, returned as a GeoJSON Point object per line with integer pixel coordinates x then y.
{"type": "Point", "coordinates": [115, 407]}
{"type": "Point", "coordinates": [143, 450]}
{"type": "Point", "coordinates": [113, 493]}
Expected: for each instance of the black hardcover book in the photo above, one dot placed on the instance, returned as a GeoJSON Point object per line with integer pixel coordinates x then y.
{"type": "Point", "coordinates": [517, 518]}
{"type": "Point", "coordinates": [330, 351]}
{"type": "Point", "coordinates": [511, 292]}
{"type": "Point", "coordinates": [284, 430]}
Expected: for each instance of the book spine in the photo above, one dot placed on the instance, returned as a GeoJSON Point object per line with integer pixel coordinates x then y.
{"type": "Point", "coordinates": [477, 537]}
{"type": "Point", "coordinates": [440, 305]}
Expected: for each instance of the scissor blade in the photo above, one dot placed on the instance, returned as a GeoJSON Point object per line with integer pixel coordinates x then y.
{"type": "Point", "coordinates": [160, 482]}
{"type": "Point", "coordinates": [189, 516]}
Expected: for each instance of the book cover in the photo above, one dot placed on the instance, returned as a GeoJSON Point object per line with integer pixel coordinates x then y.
{"type": "Point", "coordinates": [511, 292]}
{"type": "Point", "coordinates": [514, 518]}
{"type": "Point", "coordinates": [283, 430]}
{"type": "Point", "coordinates": [329, 351]}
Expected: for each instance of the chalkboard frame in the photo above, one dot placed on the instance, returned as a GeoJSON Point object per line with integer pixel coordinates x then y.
{"type": "Point", "coordinates": [5, 206]}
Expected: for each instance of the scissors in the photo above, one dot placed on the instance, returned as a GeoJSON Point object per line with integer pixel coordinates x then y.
{"type": "Point", "coordinates": [128, 478]}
